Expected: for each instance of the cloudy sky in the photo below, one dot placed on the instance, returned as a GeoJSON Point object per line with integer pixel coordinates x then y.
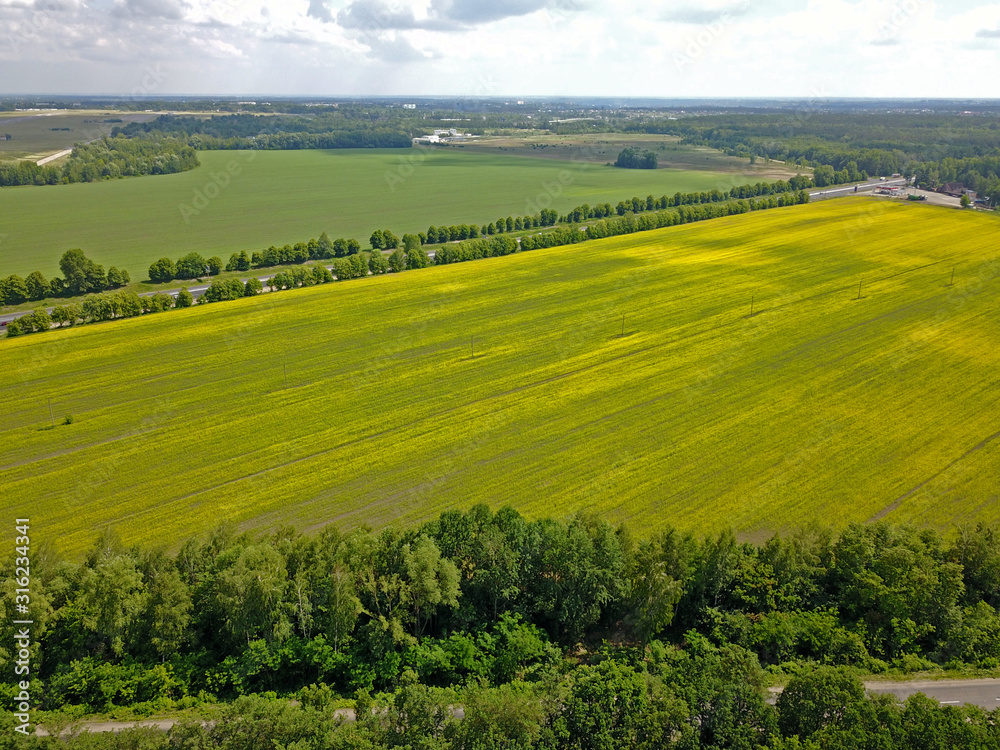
{"type": "Point", "coordinates": [468, 48]}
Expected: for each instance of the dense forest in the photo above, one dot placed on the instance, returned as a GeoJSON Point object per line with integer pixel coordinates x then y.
{"type": "Point", "coordinates": [491, 597]}
{"type": "Point", "coordinates": [935, 148]}
{"type": "Point", "coordinates": [105, 159]}
{"type": "Point", "coordinates": [280, 132]}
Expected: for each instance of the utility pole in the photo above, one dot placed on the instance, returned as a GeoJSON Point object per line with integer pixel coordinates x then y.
{"type": "Point", "coordinates": [952, 282]}
{"type": "Point", "coordinates": [751, 305]}
{"type": "Point", "coordinates": [623, 326]}
{"type": "Point", "coordinates": [285, 369]}
{"type": "Point", "coordinates": [859, 289]}
{"type": "Point", "coordinates": [51, 415]}
{"type": "Point", "coordinates": [472, 343]}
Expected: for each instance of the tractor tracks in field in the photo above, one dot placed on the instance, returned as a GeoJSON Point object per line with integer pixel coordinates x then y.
{"type": "Point", "coordinates": [899, 501]}
{"type": "Point", "coordinates": [67, 451]}
{"type": "Point", "coordinates": [536, 384]}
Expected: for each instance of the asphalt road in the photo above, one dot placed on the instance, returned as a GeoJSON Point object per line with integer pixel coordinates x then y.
{"type": "Point", "coordinates": [983, 693]}
{"type": "Point", "coordinates": [196, 292]}
{"type": "Point", "coordinates": [843, 192]}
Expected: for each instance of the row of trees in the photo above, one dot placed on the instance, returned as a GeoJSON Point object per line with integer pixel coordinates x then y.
{"type": "Point", "coordinates": [612, 227]}
{"type": "Point", "coordinates": [699, 698]}
{"type": "Point", "coordinates": [435, 235]}
{"type": "Point", "coordinates": [88, 276]}
{"type": "Point", "coordinates": [194, 265]}
{"type": "Point", "coordinates": [411, 256]}
{"type": "Point", "coordinates": [80, 276]}
{"type": "Point", "coordinates": [102, 307]}
{"type": "Point", "coordinates": [637, 205]}
{"type": "Point", "coordinates": [491, 597]}
{"type": "Point", "coordinates": [105, 159]}
{"type": "Point", "coordinates": [550, 217]}
{"type": "Point", "coordinates": [96, 308]}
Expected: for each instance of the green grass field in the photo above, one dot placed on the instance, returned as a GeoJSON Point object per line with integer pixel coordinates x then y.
{"type": "Point", "coordinates": [36, 134]}
{"type": "Point", "coordinates": [821, 408]}
{"type": "Point", "coordinates": [281, 197]}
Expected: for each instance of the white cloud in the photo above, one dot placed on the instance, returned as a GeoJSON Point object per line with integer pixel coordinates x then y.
{"type": "Point", "coordinates": [505, 47]}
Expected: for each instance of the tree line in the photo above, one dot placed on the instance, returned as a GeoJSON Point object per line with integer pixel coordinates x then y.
{"type": "Point", "coordinates": [15, 290]}
{"type": "Point", "coordinates": [103, 307]}
{"type": "Point", "coordinates": [194, 265]}
{"type": "Point", "coordinates": [701, 697]}
{"type": "Point", "coordinates": [281, 132]}
{"type": "Point", "coordinates": [105, 159]}
{"type": "Point", "coordinates": [611, 227]}
{"type": "Point", "coordinates": [490, 599]}
{"type": "Point", "coordinates": [96, 308]}
{"type": "Point", "coordinates": [550, 217]}
{"type": "Point", "coordinates": [880, 144]}
{"type": "Point", "coordinates": [979, 173]}
{"type": "Point", "coordinates": [80, 276]}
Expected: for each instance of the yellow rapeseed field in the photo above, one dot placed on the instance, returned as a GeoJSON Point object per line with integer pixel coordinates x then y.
{"type": "Point", "coordinates": [362, 403]}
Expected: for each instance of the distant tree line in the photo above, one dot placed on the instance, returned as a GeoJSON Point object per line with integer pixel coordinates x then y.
{"type": "Point", "coordinates": [483, 597]}
{"type": "Point", "coordinates": [282, 132]}
{"type": "Point", "coordinates": [979, 173]}
{"type": "Point", "coordinates": [934, 148]}
{"type": "Point", "coordinates": [632, 157]}
{"type": "Point", "coordinates": [105, 159]}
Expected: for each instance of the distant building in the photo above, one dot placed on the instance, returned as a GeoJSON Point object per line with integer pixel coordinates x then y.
{"type": "Point", "coordinates": [954, 189]}
{"type": "Point", "coordinates": [409, 106]}
{"type": "Point", "coordinates": [443, 136]}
